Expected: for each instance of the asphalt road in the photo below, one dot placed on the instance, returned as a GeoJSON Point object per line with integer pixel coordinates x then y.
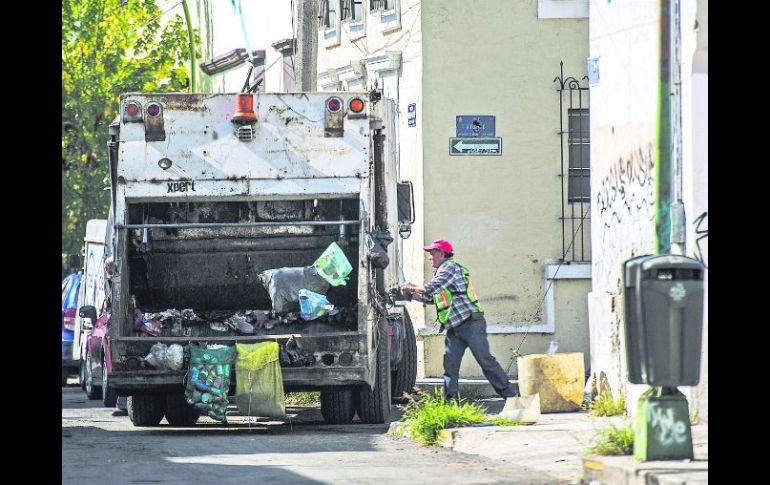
{"type": "Point", "coordinates": [98, 448]}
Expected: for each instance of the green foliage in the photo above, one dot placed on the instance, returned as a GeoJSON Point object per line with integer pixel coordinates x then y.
{"type": "Point", "coordinates": [501, 421]}
{"type": "Point", "coordinates": [107, 49]}
{"type": "Point", "coordinates": [604, 405]}
{"type": "Point", "coordinates": [303, 398]}
{"type": "Point", "coordinates": [614, 441]}
{"type": "Point", "coordinates": [425, 415]}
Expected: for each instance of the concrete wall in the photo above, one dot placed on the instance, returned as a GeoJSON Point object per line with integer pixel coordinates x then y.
{"type": "Point", "coordinates": [624, 38]}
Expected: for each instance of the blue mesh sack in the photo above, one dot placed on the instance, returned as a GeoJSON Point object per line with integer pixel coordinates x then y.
{"type": "Point", "coordinates": [208, 380]}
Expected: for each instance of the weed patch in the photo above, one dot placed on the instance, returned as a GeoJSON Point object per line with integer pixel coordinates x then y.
{"type": "Point", "coordinates": [425, 415]}
{"type": "Point", "coordinates": [615, 440]}
{"type": "Point", "coordinates": [303, 398]}
{"type": "Point", "coordinates": [604, 405]}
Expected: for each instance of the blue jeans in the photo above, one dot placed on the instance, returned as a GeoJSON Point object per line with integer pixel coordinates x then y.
{"type": "Point", "coordinates": [472, 333]}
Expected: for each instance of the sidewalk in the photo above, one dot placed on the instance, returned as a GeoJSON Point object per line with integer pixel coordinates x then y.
{"type": "Point", "coordinates": [555, 446]}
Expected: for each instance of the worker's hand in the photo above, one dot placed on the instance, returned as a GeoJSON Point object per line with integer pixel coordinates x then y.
{"type": "Point", "coordinates": [408, 287]}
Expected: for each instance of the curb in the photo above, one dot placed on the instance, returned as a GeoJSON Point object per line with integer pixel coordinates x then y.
{"type": "Point", "coordinates": [606, 470]}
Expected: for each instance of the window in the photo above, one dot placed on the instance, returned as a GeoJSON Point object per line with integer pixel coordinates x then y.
{"type": "Point", "coordinates": [328, 14]}
{"type": "Point", "coordinates": [352, 10]}
{"type": "Point", "coordinates": [381, 4]}
{"type": "Point", "coordinates": [578, 141]}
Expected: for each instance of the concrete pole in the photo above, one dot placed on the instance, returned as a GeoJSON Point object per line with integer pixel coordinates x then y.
{"type": "Point", "coordinates": [306, 45]}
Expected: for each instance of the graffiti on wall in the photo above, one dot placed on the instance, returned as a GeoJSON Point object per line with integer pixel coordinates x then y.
{"type": "Point", "coordinates": [625, 205]}
{"type": "Point", "coordinates": [701, 224]}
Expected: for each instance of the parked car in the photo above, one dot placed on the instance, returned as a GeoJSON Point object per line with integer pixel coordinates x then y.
{"type": "Point", "coordinates": [96, 359]}
{"type": "Point", "coordinates": [69, 292]}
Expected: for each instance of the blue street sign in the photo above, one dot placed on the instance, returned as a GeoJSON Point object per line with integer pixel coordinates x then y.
{"type": "Point", "coordinates": [412, 114]}
{"type": "Point", "coordinates": [475, 125]}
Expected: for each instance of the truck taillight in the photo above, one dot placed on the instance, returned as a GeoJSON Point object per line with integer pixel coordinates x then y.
{"type": "Point", "coordinates": [244, 109]}
{"type": "Point", "coordinates": [356, 105]}
{"type": "Point", "coordinates": [132, 112]}
{"type": "Point", "coordinates": [69, 320]}
{"type": "Point", "coordinates": [153, 109]}
{"type": "Point", "coordinates": [334, 104]}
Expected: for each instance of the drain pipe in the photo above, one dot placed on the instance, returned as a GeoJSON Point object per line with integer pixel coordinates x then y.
{"type": "Point", "coordinates": [677, 205]}
{"type": "Point", "coordinates": [663, 135]}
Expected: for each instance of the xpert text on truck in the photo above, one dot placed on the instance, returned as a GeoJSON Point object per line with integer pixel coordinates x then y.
{"type": "Point", "coordinates": [209, 191]}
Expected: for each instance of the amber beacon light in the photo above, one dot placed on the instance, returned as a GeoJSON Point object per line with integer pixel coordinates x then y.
{"type": "Point", "coordinates": [244, 109]}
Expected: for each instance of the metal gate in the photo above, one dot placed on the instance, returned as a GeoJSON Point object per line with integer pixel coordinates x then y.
{"type": "Point", "coordinates": [575, 182]}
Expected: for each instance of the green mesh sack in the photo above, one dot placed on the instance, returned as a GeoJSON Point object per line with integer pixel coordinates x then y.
{"type": "Point", "coordinates": [333, 266]}
{"type": "Point", "coordinates": [208, 380]}
{"type": "Point", "coordinates": [259, 381]}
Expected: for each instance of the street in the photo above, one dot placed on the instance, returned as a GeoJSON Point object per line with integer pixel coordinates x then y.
{"type": "Point", "coordinates": [98, 448]}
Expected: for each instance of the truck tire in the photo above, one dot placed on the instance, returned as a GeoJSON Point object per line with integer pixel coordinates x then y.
{"type": "Point", "coordinates": [373, 405]}
{"type": "Point", "coordinates": [178, 412]}
{"type": "Point", "coordinates": [64, 377]}
{"type": "Point", "coordinates": [404, 376]}
{"type": "Point", "coordinates": [146, 409]}
{"type": "Point", "coordinates": [92, 391]}
{"type": "Point", "coordinates": [109, 396]}
{"type": "Point", "coordinates": [337, 407]}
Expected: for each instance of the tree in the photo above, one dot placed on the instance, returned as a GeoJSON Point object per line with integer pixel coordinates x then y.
{"type": "Point", "coordinates": [109, 47]}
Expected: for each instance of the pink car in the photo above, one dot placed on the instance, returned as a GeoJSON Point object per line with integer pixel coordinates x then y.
{"type": "Point", "coordinates": [97, 360]}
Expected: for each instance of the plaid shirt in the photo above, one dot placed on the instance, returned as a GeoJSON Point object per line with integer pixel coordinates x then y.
{"type": "Point", "coordinates": [449, 276]}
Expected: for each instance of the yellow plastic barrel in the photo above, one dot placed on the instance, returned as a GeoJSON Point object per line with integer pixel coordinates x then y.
{"type": "Point", "coordinates": [558, 378]}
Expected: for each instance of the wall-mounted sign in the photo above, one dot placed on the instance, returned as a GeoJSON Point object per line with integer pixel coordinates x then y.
{"type": "Point", "coordinates": [475, 125]}
{"type": "Point", "coordinates": [593, 71]}
{"type": "Point", "coordinates": [476, 146]}
{"type": "Point", "coordinates": [411, 111]}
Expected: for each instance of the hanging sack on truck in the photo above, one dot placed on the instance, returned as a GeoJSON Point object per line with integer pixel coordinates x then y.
{"type": "Point", "coordinates": [259, 381]}
{"type": "Point", "coordinates": [283, 286]}
{"type": "Point", "coordinates": [208, 380]}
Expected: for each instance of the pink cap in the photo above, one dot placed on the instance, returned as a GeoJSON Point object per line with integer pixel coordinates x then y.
{"type": "Point", "coordinates": [439, 244]}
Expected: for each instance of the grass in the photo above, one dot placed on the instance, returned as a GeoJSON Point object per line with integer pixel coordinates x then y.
{"type": "Point", "coordinates": [604, 405]}
{"type": "Point", "coordinates": [615, 440]}
{"type": "Point", "coordinates": [303, 398]}
{"type": "Point", "coordinates": [425, 415]}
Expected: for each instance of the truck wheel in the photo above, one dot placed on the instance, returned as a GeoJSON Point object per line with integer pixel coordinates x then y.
{"type": "Point", "coordinates": [63, 377]}
{"type": "Point", "coordinates": [404, 376]}
{"type": "Point", "coordinates": [373, 405]}
{"type": "Point", "coordinates": [92, 391]}
{"type": "Point", "coordinates": [146, 409]}
{"type": "Point", "coordinates": [178, 412]}
{"type": "Point", "coordinates": [109, 396]}
{"type": "Point", "coordinates": [337, 407]}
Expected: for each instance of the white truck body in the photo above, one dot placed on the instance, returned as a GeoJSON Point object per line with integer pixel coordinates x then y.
{"type": "Point", "coordinates": [202, 204]}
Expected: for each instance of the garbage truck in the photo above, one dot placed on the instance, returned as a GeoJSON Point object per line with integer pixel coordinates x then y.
{"type": "Point", "coordinates": [213, 192]}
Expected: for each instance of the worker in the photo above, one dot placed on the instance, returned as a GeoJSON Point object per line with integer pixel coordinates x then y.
{"type": "Point", "coordinates": [462, 317]}
{"type": "Point", "coordinates": [121, 406]}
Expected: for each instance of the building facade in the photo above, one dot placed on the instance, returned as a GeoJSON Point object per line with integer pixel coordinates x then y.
{"type": "Point", "coordinates": [518, 215]}
{"type": "Point", "coordinates": [625, 89]}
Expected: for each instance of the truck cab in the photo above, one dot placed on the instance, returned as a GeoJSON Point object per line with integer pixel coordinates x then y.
{"type": "Point", "coordinates": [210, 190]}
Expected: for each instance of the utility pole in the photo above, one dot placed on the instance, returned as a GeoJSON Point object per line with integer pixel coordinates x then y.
{"type": "Point", "coordinates": [305, 46]}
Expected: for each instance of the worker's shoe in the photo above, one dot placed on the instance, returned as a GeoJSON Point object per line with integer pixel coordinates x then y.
{"type": "Point", "coordinates": [120, 412]}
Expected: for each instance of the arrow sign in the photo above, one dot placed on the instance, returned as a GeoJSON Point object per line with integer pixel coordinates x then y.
{"type": "Point", "coordinates": [475, 146]}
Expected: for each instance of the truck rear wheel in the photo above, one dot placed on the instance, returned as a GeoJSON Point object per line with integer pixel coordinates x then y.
{"type": "Point", "coordinates": [337, 407]}
{"type": "Point", "coordinates": [146, 409]}
{"type": "Point", "coordinates": [404, 376]}
{"type": "Point", "coordinates": [373, 405]}
{"type": "Point", "coordinates": [178, 412]}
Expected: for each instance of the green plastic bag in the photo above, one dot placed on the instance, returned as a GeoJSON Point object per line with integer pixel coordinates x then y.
{"type": "Point", "coordinates": [259, 381]}
{"type": "Point", "coordinates": [333, 266]}
{"type": "Point", "coordinates": [208, 380]}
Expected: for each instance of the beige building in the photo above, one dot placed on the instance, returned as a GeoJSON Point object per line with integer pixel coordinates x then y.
{"type": "Point", "coordinates": [474, 77]}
